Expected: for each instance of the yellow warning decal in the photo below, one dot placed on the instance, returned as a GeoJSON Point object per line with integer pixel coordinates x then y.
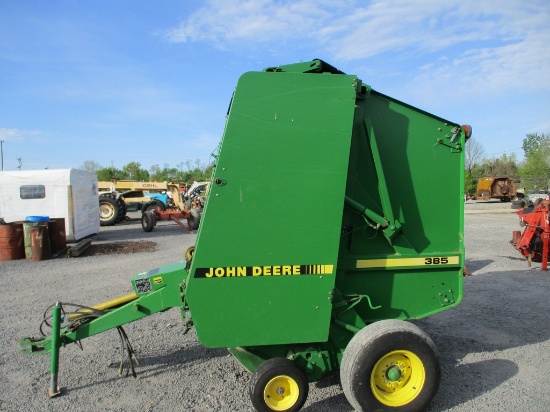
{"type": "Point", "coordinates": [254, 271]}
{"type": "Point", "coordinates": [157, 280]}
{"type": "Point", "coordinates": [406, 262]}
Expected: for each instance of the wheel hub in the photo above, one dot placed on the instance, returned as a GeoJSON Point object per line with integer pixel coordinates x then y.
{"type": "Point", "coordinates": [281, 393]}
{"type": "Point", "coordinates": [393, 373]}
{"type": "Point", "coordinates": [397, 378]}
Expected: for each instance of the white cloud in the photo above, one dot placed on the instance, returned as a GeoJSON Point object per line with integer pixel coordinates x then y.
{"type": "Point", "coordinates": [519, 67]}
{"type": "Point", "coordinates": [484, 44]}
{"type": "Point", "coordinates": [16, 134]}
{"type": "Point", "coordinates": [223, 22]}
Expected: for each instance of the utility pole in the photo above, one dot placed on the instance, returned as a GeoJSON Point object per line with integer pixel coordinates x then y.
{"type": "Point", "coordinates": [2, 150]}
{"type": "Point", "coordinates": [20, 163]}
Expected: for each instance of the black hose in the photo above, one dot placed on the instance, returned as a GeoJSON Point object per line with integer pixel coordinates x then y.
{"type": "Point", "coordinates": [81, 316]}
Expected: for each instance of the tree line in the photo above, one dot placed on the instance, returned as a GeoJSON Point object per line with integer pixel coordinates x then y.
{"type": "Point", "coordinates": [183, 172]}
{"type": "Point", "coordinates": [533, 172]}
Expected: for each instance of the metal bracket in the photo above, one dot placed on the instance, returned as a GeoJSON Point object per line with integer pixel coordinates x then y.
{"type": "Point", "coordinates": [446, 297]}
{"type": "Point", "coordinates": [455, 147]}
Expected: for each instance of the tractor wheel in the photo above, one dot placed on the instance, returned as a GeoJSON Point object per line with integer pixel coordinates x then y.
{"type": "Point", "coordinates": [278, 385]}
{"type": "Point", "coordinates": [518, 204]}
{"type": "Point", "coordinates": [122, 209]}
{"type": "Point", "coordinates": [152, 206]}
{"type": "Point", "coordinates": [108, 211]}
{"type": "Point", "coordinates": [148, 221]}
{"type": "Point", "coordinates": [194, 219]}
{"type": "Point", "coordinates": [390, 365]}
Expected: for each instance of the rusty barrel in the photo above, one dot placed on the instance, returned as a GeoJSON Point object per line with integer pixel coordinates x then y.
{"type": "Point", "coordinates": [11, 241]}
{"type": "Point", "coordinates": [58, 236]}
{"type": "Point", "coordinates": [40, 242]}
{"type": "Point", "coordinates": [31, 222]}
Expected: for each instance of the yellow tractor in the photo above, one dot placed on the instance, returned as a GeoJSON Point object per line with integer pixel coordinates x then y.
{"type": "Point", "coordinates": [156, 200]}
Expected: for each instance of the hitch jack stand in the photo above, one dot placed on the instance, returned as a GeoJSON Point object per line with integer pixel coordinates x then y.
{"type": "Point", "coordinates": [53, 390]}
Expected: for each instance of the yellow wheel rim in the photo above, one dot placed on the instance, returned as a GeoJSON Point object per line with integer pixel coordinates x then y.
{"type": "Point", "coordinates": [397, 378]}
{"type": "Point", "coordinates": [281, 393]}
{"type": "Point", "coordinates": [106, 211]}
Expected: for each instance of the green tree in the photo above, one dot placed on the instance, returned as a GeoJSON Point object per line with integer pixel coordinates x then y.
{"type": "Point", "coordinates": [536, 167]}
{"type": "Point", "coordinates": [504, 166]}
{"type": "Point", "coordinates": [167, 173]}
{"type": "Point", "coordinates": [171, 173]}
{"type": "Point", "coordinates": [156, 174]}
{"type": "Point", "coordinates": [535, 142]}
{"type": "Point", "coordinates": [470, 183]}
{"type": "Point", "coordinates": [133, 171]}
{"type": "Point", "coordinates": [90, 166]}
{"type": "Point", "coordinates": [474, 154]}
{"type": "Point", "coordinates": [108, 173]}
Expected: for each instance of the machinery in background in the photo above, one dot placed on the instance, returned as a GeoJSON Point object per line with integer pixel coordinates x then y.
{"type": "Point", "coordinates": [156, 201]}
{"type": "Point", "coordinates": [533, 242]}
{"type": "Point", "coordinates": [502, 188]}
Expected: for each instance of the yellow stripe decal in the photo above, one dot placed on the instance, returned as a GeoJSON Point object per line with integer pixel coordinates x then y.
{"type": "Point", "coordinates": [405, 262]}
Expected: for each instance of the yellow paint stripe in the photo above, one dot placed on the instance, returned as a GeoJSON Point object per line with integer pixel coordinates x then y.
{"type": "Point", "coordinates": [406, 262]}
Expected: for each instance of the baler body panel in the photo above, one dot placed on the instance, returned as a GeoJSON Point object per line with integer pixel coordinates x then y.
{"type": "Point", "coordinates": [414, 162]}
{"type": "Point", "coordinates": [267, 249]}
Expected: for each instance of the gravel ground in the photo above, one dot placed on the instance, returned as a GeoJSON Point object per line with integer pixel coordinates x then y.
{"type": "Point", "coordinates": [493, 346]}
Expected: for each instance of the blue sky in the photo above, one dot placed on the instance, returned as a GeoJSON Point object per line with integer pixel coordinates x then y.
{"type": "Point", "coordinates": [121, 81]}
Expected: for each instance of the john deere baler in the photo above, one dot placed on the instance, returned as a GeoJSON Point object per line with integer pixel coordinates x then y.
{"type": "Point", "coordinates": [335, 214]}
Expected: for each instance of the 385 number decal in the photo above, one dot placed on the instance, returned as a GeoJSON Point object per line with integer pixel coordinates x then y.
{"type": "Point", "coordinates": [436, 261]}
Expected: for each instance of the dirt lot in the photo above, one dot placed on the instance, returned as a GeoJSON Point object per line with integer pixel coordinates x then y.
{"type": "Point", "coordinates": [493, 347]}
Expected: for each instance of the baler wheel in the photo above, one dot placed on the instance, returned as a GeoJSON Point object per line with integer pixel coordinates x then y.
{"type": "Point", "coordinates": [278, 385]}
{"type": "Point", "coordinates": [148, 221]}
{"type": "Point", "coordinates": [390, 365]}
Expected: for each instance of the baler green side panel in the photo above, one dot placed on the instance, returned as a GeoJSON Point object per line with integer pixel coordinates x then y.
{"type": "Point", "coordinates": [418, 272]}
{"type": "Point", "coordinates": [275, 208]}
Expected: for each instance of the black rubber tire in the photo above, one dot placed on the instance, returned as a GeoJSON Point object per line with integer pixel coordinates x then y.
{"type": "Point", "coordinates": [152, 206]}
{"type": "Point", "coordinates": [377, 341]}
{"type": "Point", "coordinates": [148, 221]}
{"type": "Point", "coordinates": [273, 368]}
{"type": "Point", "coordinates": [122, 209]}
{"type": "Point", "coordinates": [519, 204]}
{"type": "Point", "coordinates": [194, 219]}
{"type": "Point", "coordinates": [108, 210]}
